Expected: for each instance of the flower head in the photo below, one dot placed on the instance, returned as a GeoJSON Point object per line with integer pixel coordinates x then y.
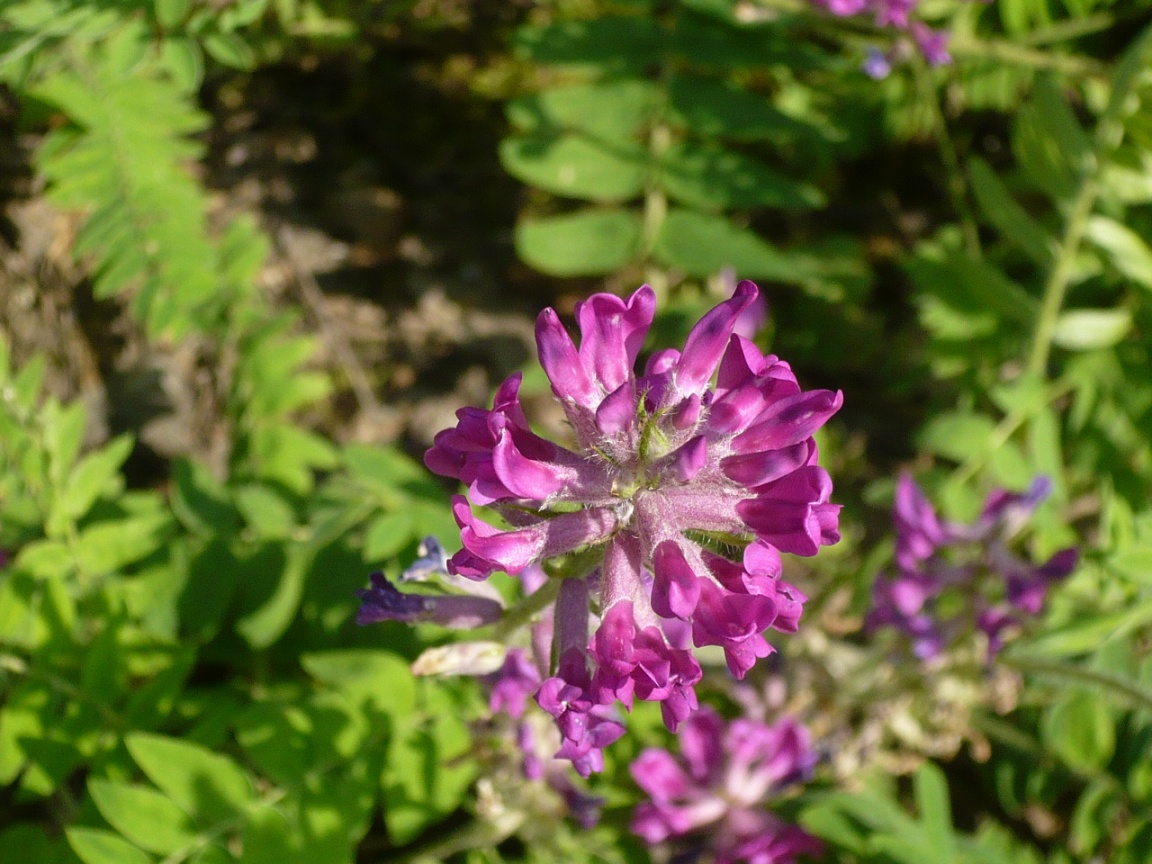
{"type": "Point", "coordinates": [714, 795]}
{"type": "Point", "coordinates": [707, 449]}
{"type": "Point", "coordinates": [953, 578]}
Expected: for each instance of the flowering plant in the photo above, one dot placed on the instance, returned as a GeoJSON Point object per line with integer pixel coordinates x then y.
{"type": "Point", "coordinates": [681, 492]}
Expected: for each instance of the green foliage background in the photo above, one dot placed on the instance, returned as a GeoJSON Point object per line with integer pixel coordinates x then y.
{"type": "Point", "coordinates": [963, 250]}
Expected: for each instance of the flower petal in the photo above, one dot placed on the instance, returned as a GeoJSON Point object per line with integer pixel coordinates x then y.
{"type": "Point", "coordinates": [708, 339]}
{"type": "Point", "coordinates": [612, 333]}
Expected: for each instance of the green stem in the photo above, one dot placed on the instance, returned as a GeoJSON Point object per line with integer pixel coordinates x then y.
{"type": "Point", "coordinates": [1109, 133]}
{"type": "Point", "coordinates": [1127, 690]}
{"type": "Point", "coordinates": [527, 609]}
{"type": "Point", "coordinates": [957, 185]}
{"type": "Point", "coordinates": [1021, 55]}
{"type": "Point", "coordinates": [1003, 433]}
{"type": "Point", "coordinates": [1056, 287]}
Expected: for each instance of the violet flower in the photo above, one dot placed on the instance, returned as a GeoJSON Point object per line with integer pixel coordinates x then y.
{"type": "Point", "coordinates": [384, 602]}
{"type": "Point", "coordinates": [713, 798]}
{"type": "Point", "coordinates": [663, 460]}
{"type": "Point", "coordinates": [955, 579]}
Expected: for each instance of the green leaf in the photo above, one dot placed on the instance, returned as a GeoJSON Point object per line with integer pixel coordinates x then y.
{"type": "Point", "coordinates": [958, 436]}
{"type": "Point", "coordinates": [103, 847]}
{"type": "Point", "coordinates": [608, 44]}
{"type": "Point", "coordinates": [575, 166]}
{"type": "Point", "coordinates": [171, 13]}
{"type": "Point", "coordinates": [30, 843]}
{"type": "Point", "coordinates": [63, 434]}
{"type": "Point", "coordinates": [588, 243]}
{"type": "Point", "coordinates": [229, 49]}
{"type": "Point", "coordinates": [95, 473]}
{"type": "Point", "coordinates": [702, 245]}
{"type": "Point", "coordinates": [1049, 143]}
{"type": "Point", "coordinates": [935, 809]}
{"type": "Point", "coordinates": [1090, 329]}
{"type": "Point", "coordinates": [106, 547]}
{"type": "Point", "coordinates": [124, 164]}
{"type": "Point", "coordinates": [709, 176]}
{"type": "Point", "coordinates": [388, 534]}
{"type": "Point", "coordinates": [609, 111]}
{"type": "Point", "coordinates": [269, 838]}
{"type": "Point", "coordinates": [211, 787]}
{"type": "Point", "coordinates": [1001, 211]}
{"type": "Point", "coordinates": [199, 501]}
{"type": "Point", "coordinates": [1126, 249]}
{"type": "Point", "coordinates": [269, 515]}
{"type": "Point", "coordinates": [714, 108]}
{"type": "Point", "coordinates": [144, 816]}
{"type": "Point", "coordinates": [264, 625]}
{"type": "Point", "coordinates": [1079, 728]}
{"type": "Point", "coordinates": [366, 676]}
{"type": "Point", "coordinates": [426, 776]}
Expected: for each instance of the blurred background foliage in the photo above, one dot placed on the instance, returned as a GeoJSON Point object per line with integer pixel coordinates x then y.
{"type": "Point", "coordinates": [256, 252]}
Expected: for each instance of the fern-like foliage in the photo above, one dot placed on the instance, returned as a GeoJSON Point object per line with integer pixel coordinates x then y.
{"type": "Point", "coordinates": [123, 159]}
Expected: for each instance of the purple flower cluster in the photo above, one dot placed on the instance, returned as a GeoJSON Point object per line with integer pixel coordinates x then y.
{"type": "Point", "coordinates": [954, 579]}
{"type": "Point", "coordinates": [714, 796]}
{"type": "Point", "coordinates": [933, 44]}
{"type": "Point", "coordinates": [670, 470]}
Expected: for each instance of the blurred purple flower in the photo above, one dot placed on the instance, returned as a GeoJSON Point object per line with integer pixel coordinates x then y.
{"type": "Point", "coordinates": [661, 456]}
{"type": "Point", "coordinates": [897, 14]}
{"type": "Point", "coordinates": [713, 797]}
{"type": "Point", "coordinates": [998, 589]}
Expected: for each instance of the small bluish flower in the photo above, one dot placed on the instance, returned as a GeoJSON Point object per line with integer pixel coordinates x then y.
{"type": "Point", "coordinates": [954, 579]}
{"type": "Point", "coordinates": [877, 66]}
{"type": "Point", "coordinates": [712, 441]}
{"type": "Point", "coordinates": [713, 798]}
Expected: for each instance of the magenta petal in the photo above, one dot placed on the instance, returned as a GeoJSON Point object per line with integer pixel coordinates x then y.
{"type": "Point", "coordinates": [741, 364]}
{"type": "Point", "coordinates": [701, 743]}
{"type": "Point", "coordinates": [756, 469]}
{"type": "Point", "coordinates": [612, 333]}
{"type": "Point", "coordinates": [706, 343]}
{"type": "Point", "coordinates": [661, 362]}
{"type": "Point", "coordinates": [570, 380]}
{"type": "Point", "coordinates": [675, 587]}
{"type": "Point", "coordinates": [525, 477]}
{"type": "Point", "coordinates": [789, 421]}
{"type": "Point", "coordinates": [617, 413]}
{"type": "Point", "coordinates": [686, 462]}
{"type": "Point", "coordinates": [614, 638]}
{"type": "Point", "coordinates": [659, 774]}
{"type": "Point", "coordinates": [735, 411]}
{"type": "Point", "coordinates": [512, 551]}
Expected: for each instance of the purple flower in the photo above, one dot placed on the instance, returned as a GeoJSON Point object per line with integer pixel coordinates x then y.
{"type": "Point", "coordinates": [384, 602]}
{"type": "Point", "coordinates": [991, 588]}
{"type": "Point", "coordinates": [713, 797]}
{"type": "Point", "coordinates": [714, 440]}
